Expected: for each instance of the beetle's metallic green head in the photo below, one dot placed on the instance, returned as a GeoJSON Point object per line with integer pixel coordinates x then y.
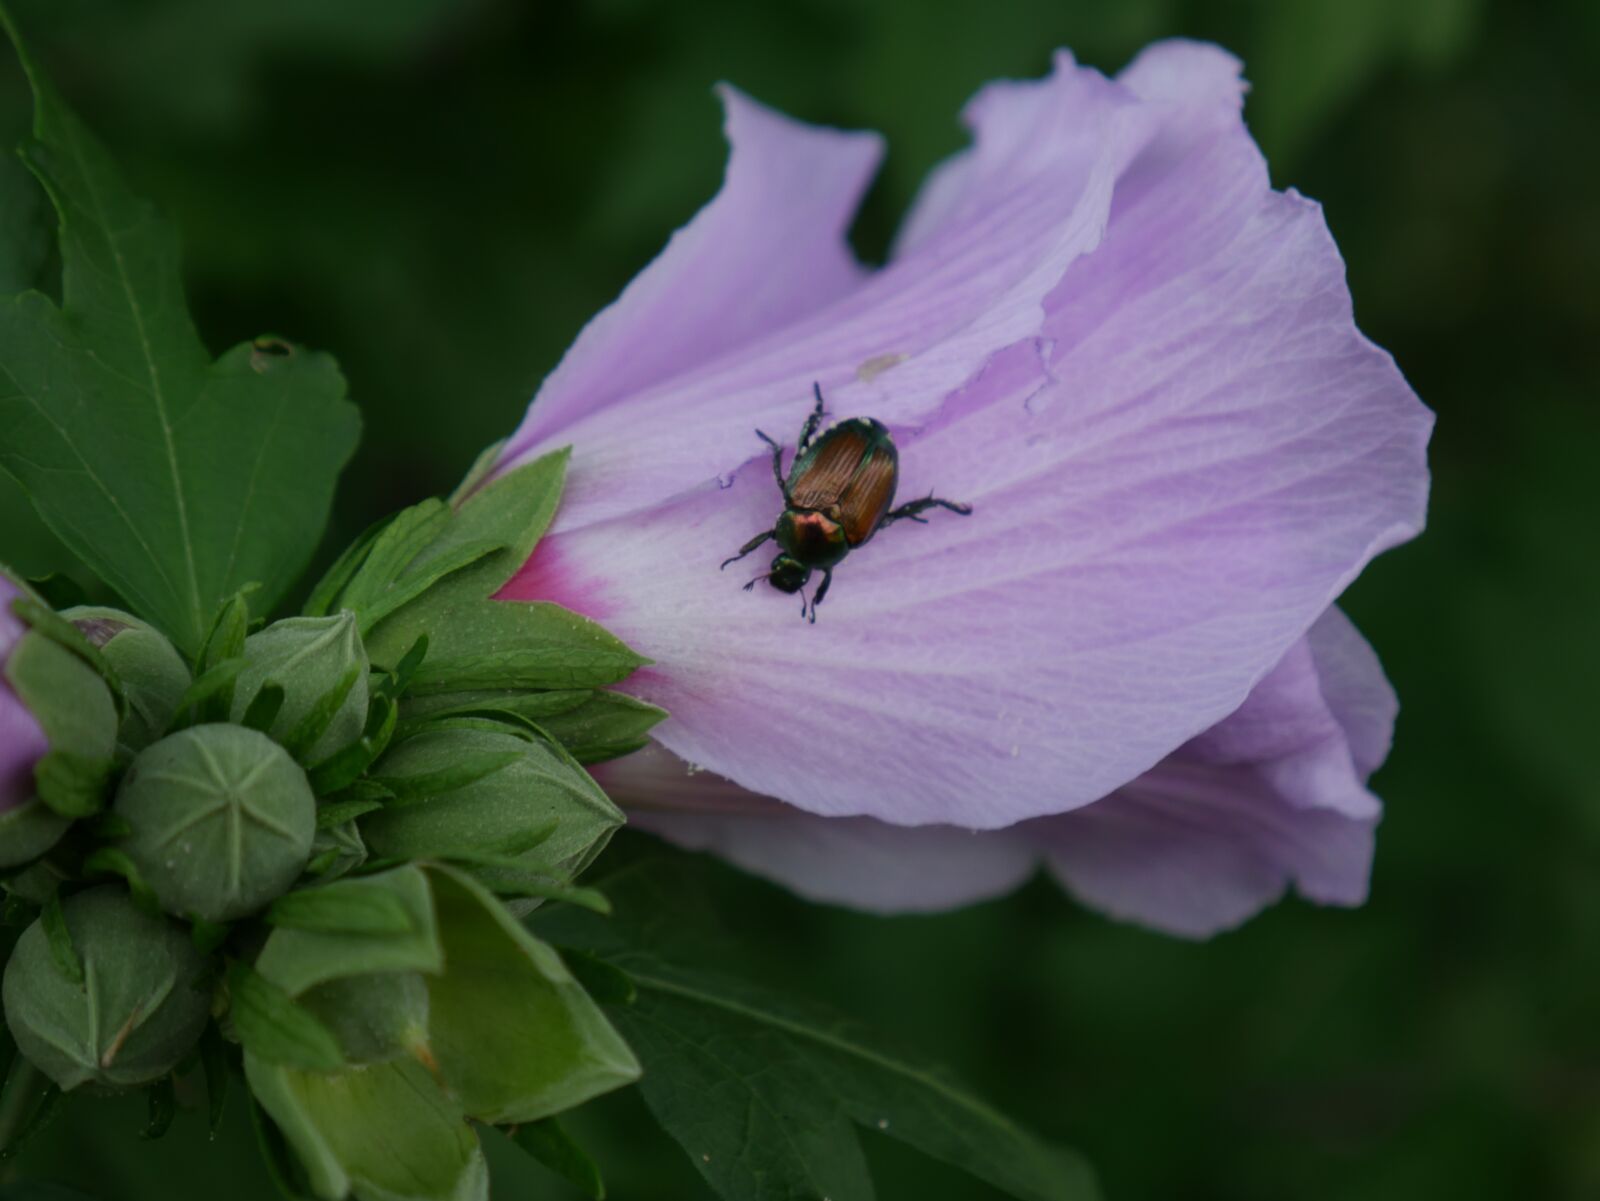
{"type": "Point", "coordinates": [788, 574]}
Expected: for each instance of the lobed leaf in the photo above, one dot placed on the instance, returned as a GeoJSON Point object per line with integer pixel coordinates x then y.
{"type": "Point", "coordinates": [175, 478]}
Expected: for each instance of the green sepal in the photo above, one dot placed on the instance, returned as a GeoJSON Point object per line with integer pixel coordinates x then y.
{"type": "Point", "coordinates": [73, 785]}
{"type": "Point", "coordinates": [229, 628]}
{"type": "Point", "coordinates": [29, 1093]}
{"type": "Point", "coordinates": [340, 812]}
{"type": "Point", "coordinates": [344, 768]}
{"type": "Point", "coordinates": [605, 981]}
{"type": "Point", "coordinates": [54, 924]}
{"type": "Point", "coordinates": [553, 1147]}
{"type": "Point", "coordinates": [300, 959]}
{"type": "Point", "coordinates": [335, 851]}
{"type": "Point", "coordinates": [274, 1028]}
{"type": "Point", "coordinates": [385, 1131]}
{"type": "Point", "coordinates": [324, 598]}
{"type": "Point", "coordinates": [341, 910]}
{"type": "Point", "coordinates": [72, 704]}
{"type": "Point", "coordinates": [508, 876]}
{"type": "Point", "coordinates": [531, 706]}
{"type": "Point", "coordinates": [163, 1107]}
{"type": "Point", "coordinates": [218, 1073]}
{"type": "Point", "coordinates": [110, 861]}
{"type": "Point", "coordinates": [58, 629]}
{"type": "Point", "coordinates": [478, 642]}
{"type": "Point", "coordinates": [515, 1036]}
{"type": "Point", "coordinates": [607, 725]}
{"type": "Point", "coordinates": [402, 538]}
{"type": "Point", "coordinates": [489, 791]}
{"type": "Point", "coordinates": [375, 1017]}
{"type": "Point", "coordinates": [264, 708]}
{"type": "Point", "coordinates": [522, 644]}
{"type": "Point", "coordinates": [210, 694]}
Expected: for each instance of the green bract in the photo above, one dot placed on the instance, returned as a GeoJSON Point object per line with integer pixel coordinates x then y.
{"type": "Point", "coordinates": [73, 706]}
{"type": "Point", "coordinates": [221, 820]}
{"type": "Point", "coordinates": [445, 1009]}
{"type": "Point", "coordinates": [320, 665]}
{"type": "Point", "coordinates": [152, 674]}
{"type": "Point", "coordinates": [120, 1004]}
{"type": "Point", "coordinates": [482, 788]}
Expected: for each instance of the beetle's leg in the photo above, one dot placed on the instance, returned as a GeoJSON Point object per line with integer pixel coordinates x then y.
{"type": "Point", "coordinates": [911, 510]}
{"type": "Point", "coordinates": [777, 464]}
{"type": "Point", "coordinates": [813, 422]}
{"type": "Point", "coordinates": [822, 591]}
{"type": "Point", "coordinates": [747, 548]}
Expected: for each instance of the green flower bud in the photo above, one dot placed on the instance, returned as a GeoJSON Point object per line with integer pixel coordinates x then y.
{"type": "Point", "coordinates": [118, 1001]}
{"type": "Point", "coordinates": [222, 820]}
{"type": "Point", "coordinates": [153, 674]}
{"type": "Point", "coordinates": [321, 666]}
{"type": "Point", "coordinates": [478, 788]}
{"type": "Point", "coordinates": [70, 705]}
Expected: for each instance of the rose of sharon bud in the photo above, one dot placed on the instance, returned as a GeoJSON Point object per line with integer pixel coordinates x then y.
{"type": "Point", "coordinates": [153, 674]}
{"type": "Point", "coordinates": [472, 788]}
{"type": "Point", "coordinates": [309, 658]}
{"type": "Point", "coordinates": [134, 1007]}
{"type": "Point", "coordinates": [222, 820]}
{"type": "Point", "coordinates": [50, 700]}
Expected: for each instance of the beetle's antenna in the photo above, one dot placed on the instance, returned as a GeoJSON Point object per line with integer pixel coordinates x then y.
{"type": "Point", "coordinates": [757, 580]}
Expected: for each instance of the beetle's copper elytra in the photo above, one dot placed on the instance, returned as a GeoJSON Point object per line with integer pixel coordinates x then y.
{"type": "Point", "coordinates": [836, 497]}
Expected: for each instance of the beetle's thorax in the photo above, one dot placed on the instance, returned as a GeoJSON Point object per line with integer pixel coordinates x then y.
{"type": "Point", "coordinates": [812, 536]}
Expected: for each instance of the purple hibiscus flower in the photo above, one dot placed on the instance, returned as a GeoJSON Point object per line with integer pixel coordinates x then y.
{"type": "Point", "coordinates": [22, 741]}
{"type": "Point", "coordinates": [1105, 330]}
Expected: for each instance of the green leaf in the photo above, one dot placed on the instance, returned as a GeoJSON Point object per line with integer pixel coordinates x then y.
{"type": "Point", "coordinates": [299, 959]}
{"type": "Point", "coordinates": [552, 1146]}
{"type": "Point", "coordinates": [175, 478]}
{"type": "Point", "coordinates": [274, 1028]}
{"type": "Point", "coordinates": [762, 1092]}
{"type": "Point", "coordinates": [515, 1036]}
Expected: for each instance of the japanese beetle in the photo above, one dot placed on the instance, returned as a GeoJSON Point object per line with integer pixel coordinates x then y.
{"type": "Point", "coordinates": [836, 497]}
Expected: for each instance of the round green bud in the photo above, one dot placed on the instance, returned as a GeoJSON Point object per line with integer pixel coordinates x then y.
{"type": "Point", "coordinates": [222, 820]}
{"type": "Point", "coordinates": [473, 787]}
{"type": "Point", "coordinates": [131, 1011]}
{"type": "Point", "coordinates": [315, 660]}
{"type": "Point", "coordinates": [153, 674]}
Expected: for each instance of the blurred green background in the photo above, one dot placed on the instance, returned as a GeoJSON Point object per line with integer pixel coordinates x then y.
{"type": "Point", "coordinates": [442, 192]}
